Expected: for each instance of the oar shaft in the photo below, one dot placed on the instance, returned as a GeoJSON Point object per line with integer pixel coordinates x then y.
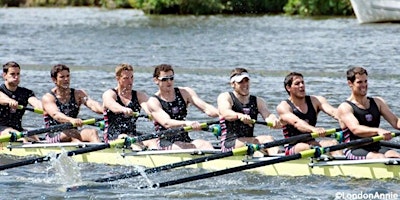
{"type": "Point", "coordinates": [237, 151]}
{"type": "Point", "coordinates": [166, 167]}
{"type": "Point", "coordinates": [14, 136]}
{"type": "Point", "coordinates": [307, 153]}
{"type": "Point", "coordinates": [390, 144]}
{"type": "Point", "coordinates": [24, 162]}
{"type": "Point", "coordinates": [224, 171]}
{"type": "Point", "coordinates": [296, 138]}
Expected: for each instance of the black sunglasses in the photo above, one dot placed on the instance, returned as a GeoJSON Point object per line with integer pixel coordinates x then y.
{"type": "Point", "coordinates": [163, 79]}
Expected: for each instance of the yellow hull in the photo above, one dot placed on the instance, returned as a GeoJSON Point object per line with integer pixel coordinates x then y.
{"type": "Point", "coordinates": [371, 169]}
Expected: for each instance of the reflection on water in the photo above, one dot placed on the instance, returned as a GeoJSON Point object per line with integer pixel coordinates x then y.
{"type": "Point", "coordinates": [203, 50]}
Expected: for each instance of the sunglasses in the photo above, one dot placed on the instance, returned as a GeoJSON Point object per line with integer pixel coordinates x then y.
{"type": "Point", "coordinates": [163, 79]}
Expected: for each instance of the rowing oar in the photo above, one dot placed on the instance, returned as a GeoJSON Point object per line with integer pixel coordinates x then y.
{"type": "Point", "coordinates": [390, 144]}
{"type": "Point", "coordinates": [270, 124]}
{"type": "Point", "coordinates": [235, 152]}
{"type": "Point", "coordinates": [127, 142]}
{"type": "Point", "coordinates": [14, 136]}
{"type": "Point", "coordinates": [35, 110]}
{"type": "Point", "coordinates": [316, 152]}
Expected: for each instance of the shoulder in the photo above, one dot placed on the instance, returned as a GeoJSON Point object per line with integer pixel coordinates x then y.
{"type": "Point", "coordinates": [224, 94]}
{"type": "Point", "coordinates": [142, 95]}
{"type": "Point", "coordinates": [48, 96]}
{"type": "Point", "coordinates": [79, 92]}
{"type": "Point", "coordinates": [344, 106]}
{"type": "Point", "coordinates": [318, 100]}
{"type": "Point", "coordinates": [186, 89]}
{"type": "Point", "coordinates": [378, 100]}
{"type": "Point", "coordinates": [283, 105]}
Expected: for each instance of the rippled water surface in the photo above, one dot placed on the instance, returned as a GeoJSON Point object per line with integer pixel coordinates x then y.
{"type": "Point", "coordinates": [203, 50]}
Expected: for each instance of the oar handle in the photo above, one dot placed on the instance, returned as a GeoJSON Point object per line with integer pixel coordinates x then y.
{"type": "Point", "coordinates": [270, 124]}
{"type": "Point", "coordinates": [35, 110]}
{"type": "Point", "coordinates": [202, 125]}
{"type": "Point", "coordinates": [137, 114]}
{"type": "Point", "coordinates": [13, 136]}
{"type": "Point", "coordinates": [160, 134]}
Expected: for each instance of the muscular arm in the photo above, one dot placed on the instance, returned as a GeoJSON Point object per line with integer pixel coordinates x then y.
{"type": "Point", "coordinates": [225, 103]}
{"type": "Point", "coordinates": [387, 113]}
{"type": "Point", "coordinates": [347, 119]}
{"type": "Point", "coordinates": [92, 104]}
{"type": "Point", "coordinates": [266, 114]}
{"type": "Point", "coordinates": [50, 108]}
{"type": "Point", "coordinates": [7, 101]}
{"type": "Point", "coordinates": [143, 98]}
{"type": "Point", "coordinates": [160, 116]}
{"type": "Point", "coordinates": [193, 98]}
{"type": "Point", "coordinates": [109, 101]}
{"type": "Point", "coordinates": [35, 102]}
{"type": "Point", "coordinates": [286, 115]}
{"type": "Point", "coordinates": [325, 106]}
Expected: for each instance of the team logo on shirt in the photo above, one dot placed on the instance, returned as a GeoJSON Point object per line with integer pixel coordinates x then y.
{"type": "Point", "coordinates": [368, 117]}
{"type": "Point", "coordinates": [246, 111]}
{"type": "Point", "coordinates": [175, 110]}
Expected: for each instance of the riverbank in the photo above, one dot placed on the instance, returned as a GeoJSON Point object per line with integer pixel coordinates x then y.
{"type": "Point", "coordinates": [205, 7]}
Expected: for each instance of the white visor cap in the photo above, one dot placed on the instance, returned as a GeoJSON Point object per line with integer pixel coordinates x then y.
{"type": "Point", "coordinates": [239, 77]}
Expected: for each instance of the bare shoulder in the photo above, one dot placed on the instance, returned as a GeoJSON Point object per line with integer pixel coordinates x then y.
{"type": "Point", "coordinates": [344, 106]}
{"type": "Point", "coordinates": [317, 98]}
{"type": "Point", "coordinates": [283, 104]}
{"type": "Point", "coordinates": [223, 95]}
{"type": "Point", "coordinates": [186, 90]}
{"type": "Point", "coordinates": [48, 97]}
{"type": "Point", "coordinates": [283, 107]}
{"type": "Point", "coordinates": [379, 100]}
{"type": "Point", "coordinates": [80, 93]}
{"type": "Point", "coordinates": [142, 96]}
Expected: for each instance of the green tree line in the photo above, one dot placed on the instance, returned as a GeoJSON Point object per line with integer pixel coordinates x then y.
{"type": "Point", "coordinates": [205, 7]}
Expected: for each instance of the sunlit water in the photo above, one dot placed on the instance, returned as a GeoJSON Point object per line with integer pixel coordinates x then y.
{"type": "Point", "coordinates": [203, 50]}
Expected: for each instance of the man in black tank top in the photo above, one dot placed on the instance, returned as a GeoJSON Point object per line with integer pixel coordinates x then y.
{"type": "Point", "coordinates": [359, 117]}
{"type": "Point", "coordinates": [62, 105]}
{"type": "Point", "coordinates": [238, 109]}
{"type": "Point", "coordinates": [168, 108]}
{"type": "Point", "coordinates": [299, 114]}
{"type": "Point", "coordinates": [119, 105]}
{"type": "Point", "coordinates": [12, 96]}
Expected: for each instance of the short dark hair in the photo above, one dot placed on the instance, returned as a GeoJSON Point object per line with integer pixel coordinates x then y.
{"type": "Point", "coordinates": [162, 68]}
{"type": "Point", "coordinates": [289, 79]}
{"type": "Point", "coordinates": [8, 65]}
{"type": "Point", "coordinates": [353, 71]}
{"type": "Point", "coordinates": [58, 68]}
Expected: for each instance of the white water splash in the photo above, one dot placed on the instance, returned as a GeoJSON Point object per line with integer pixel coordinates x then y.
{"type": "Point", "coordinates": [66, 170]}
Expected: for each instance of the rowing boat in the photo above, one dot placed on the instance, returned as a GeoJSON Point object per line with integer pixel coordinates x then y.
{"type": "Point", "coordinates": [371, 169]}
{"type": "Point", "coordinates": [368, 11]}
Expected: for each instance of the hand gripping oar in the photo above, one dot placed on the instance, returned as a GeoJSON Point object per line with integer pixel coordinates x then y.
{"type": "Point", "coordinates": [316, 152]}
{"type": "Point", "coordinates": [116, 143]}
{"type": "Point", "coordinates": [35, 110]}
{"type": "Point", "coordinates": [235, 152]}
{"type": "Point", "coordinates": [14, 136]}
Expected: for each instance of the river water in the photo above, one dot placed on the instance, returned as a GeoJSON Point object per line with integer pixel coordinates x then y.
{"type": "Point", "coordinates": [203, 50]}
